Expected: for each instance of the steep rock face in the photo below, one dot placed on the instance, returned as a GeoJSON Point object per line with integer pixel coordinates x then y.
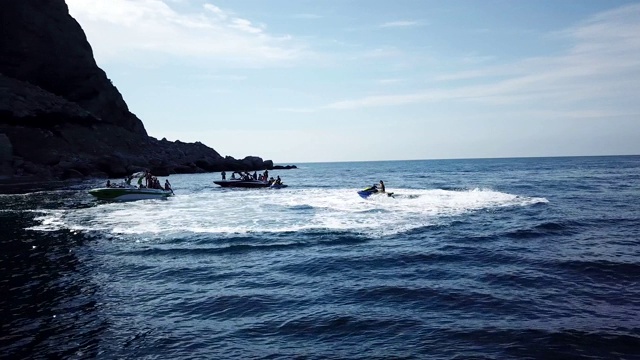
{"type": "Point", "coordinates": [6, 154]}
{"type": "Point", "coordinates": [61, 117]}
{"type": "Point", "coordinates": [45, 135]}
{"type": "Point", "coordinates": [43, 45]}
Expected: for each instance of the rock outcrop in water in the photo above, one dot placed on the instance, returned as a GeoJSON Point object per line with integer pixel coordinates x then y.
{"type": "Point", "coordinates": [61, 117]}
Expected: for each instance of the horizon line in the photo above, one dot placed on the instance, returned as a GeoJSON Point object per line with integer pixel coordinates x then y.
{"type": "Point", "coordinates": [463, 158]}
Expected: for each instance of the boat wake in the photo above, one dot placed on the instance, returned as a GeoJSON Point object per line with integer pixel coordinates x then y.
{"type": "Point", "coordinates": [288, 210]}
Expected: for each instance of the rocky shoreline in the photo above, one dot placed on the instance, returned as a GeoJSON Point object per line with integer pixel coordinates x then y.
{"type": "Point", "coordinates": [62, 118]}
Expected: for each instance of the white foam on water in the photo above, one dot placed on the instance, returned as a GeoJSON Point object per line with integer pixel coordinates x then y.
{"type": "Point", "coordinates": [285, 210]}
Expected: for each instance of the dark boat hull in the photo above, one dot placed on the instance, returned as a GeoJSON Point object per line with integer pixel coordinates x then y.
{"type": "Point", "coordinates": [129, 193]}
{"type": "Point", "coordinates": [242, 183]}
{"type": "Point", "coordinates": [365, 193]}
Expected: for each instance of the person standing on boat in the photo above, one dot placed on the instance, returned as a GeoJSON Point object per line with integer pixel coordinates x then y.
{"type": "Point", "coordinates": [224, 175]}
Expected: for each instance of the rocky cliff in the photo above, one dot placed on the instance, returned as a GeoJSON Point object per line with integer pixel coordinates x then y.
{"type": "Point", "coordinates": [61, 117]}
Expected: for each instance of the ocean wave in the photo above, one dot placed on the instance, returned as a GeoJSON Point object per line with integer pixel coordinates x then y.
{"type": "Point", "coordinates": [601, 270]}
{"type": "Point", "coordinates": [545, 229]}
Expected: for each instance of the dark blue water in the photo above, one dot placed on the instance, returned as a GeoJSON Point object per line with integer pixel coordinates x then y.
{"type": "Point", "coordinates": [497, 258]}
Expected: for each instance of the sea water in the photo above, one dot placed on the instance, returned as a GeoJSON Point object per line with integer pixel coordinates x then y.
{"type": "Point", "coordinates": [484, 258]}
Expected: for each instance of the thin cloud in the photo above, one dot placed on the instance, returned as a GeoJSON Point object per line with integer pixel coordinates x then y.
{"type": "Point", "coordinates": [121, 29]}
{"type": "Point", "coordinates": [216, 11]}
{"type": "Point", "coordinates": [603, 63]}
{"type": "Point", "coordinates": [401, 23]}
{"type": "Point", "coordinates": [246, 26]}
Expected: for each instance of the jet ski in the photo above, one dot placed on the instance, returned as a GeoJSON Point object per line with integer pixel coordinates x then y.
{"type": "Point", "coordinates": [366, 192]}
{"type": "Point", "coordinates": [371, 190]}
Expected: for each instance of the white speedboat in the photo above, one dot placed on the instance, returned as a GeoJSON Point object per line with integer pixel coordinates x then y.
{"type": "Point", "coordinates": [129, 193]}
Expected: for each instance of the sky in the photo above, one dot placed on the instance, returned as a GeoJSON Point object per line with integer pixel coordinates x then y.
{"type": "Point", "coordinates": [359, 80]}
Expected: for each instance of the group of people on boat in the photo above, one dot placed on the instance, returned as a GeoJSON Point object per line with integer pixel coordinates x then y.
{"type": "Point", "coordinates": [150, 182]}
{"type": "Point", "coordinates": [247, 176]}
